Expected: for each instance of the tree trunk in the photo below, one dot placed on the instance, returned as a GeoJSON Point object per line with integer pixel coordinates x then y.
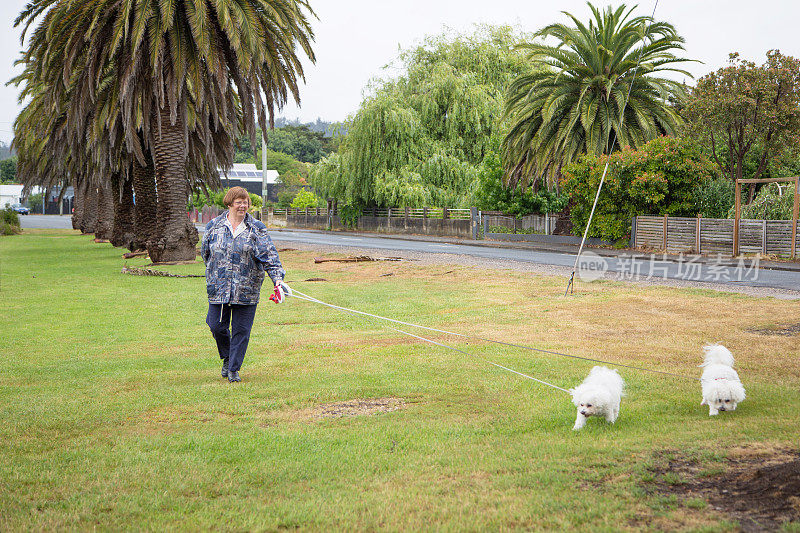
{"type": "Point", "coordinates": [144, 187]}
{"type": "Point", "coordinates": [77, 207]}
{"type": "Point", "coordinates": [122, 193]}
{"type": "Point", "coordinates": [89, 217]}
{"type": "Point", "coordinates": [105, 212]}
{"type": "Point", "coordinates": [177, 237]}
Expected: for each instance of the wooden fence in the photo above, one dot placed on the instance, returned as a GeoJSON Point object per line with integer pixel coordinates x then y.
{"type": "Point", "coordinates": [542, 224]}
{"type": "Point", "coordinates": [714, 235]}
{"type": "Point", "coordinates": [440, 221]}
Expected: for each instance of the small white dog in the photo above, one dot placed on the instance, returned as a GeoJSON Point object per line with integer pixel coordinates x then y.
{"type": "Point", "coordinates": [722, 389]}
{"type": "Point", "coordinates": [599, 395]}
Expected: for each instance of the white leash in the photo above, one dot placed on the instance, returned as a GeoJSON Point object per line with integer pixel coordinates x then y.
{"type": "Point", "coordinates": [522, 346]}
{"type": "Point", "coordinates": [300, 296]}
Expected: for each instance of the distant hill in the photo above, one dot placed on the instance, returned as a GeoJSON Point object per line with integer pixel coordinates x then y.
{"type": "Point", "coordinates": [5, 151]}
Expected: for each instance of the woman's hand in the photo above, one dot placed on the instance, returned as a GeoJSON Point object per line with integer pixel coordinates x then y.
{"type": "Point", "coordinates": [282, 290]}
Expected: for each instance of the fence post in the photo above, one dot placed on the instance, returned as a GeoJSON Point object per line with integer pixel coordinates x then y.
{"type": "Point", "coordinates": [389, 217]}
{"type": "Point", "coordinates": [794, 216]}
{"type": "Point", "coordinates": [633, 233]}
{"type": "Point", "coordinates": [698, 232]}
{"type": "Point", "coordinates": [330, 213]}
{"type": "Point", "coordinates": [405, 218]}
{"type": "Point", "coordinates": [445, 214]}
{"type": "Point", "coordinates": [665, 233]}
{"type": "Point", "coordinates": [270, 215]}
{"type": "Point", "coordinates": [764, 237]}
{"type": "Point", "coordinates": [738, 201]}
{"type": "Point", "coordinates": [473, 215]}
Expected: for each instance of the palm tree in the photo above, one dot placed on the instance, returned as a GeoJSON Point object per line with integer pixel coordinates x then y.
{"type": "Point", "coordinates": [577, 103]}
{"type": "Point", "coordinates": [184, 75]}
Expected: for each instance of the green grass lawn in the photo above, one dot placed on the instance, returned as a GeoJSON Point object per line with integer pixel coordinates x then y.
{"type": "Point", "coordinates": [115, 416]}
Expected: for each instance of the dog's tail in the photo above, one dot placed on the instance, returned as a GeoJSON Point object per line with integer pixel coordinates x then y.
{"type": "Point", "coordinates": [717, 354]}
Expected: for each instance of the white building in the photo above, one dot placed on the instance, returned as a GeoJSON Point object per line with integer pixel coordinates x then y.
{"type": "Point", "coordinates": [10, 194]}
{"type": "Point", "coordinates": [248, 176]}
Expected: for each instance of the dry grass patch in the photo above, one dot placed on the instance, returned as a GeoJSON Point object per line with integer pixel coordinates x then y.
{"type": "Point", "coordinates": [359, 407]}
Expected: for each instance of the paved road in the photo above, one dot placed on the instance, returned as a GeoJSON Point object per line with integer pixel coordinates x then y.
{"type": "Point", "coordinates": [623, 265]}
{"type": "Point", "coordinates": [46, 221]}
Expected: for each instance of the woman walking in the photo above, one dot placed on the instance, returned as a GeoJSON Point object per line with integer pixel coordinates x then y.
{"type": "Point", "coordinates": [237, 251]}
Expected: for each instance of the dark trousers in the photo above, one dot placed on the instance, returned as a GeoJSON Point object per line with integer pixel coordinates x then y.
{"type": "Point", "coordinates": [231, 330]}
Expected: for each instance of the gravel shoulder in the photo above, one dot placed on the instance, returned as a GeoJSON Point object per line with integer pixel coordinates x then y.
{"type": "Point", "coordinates": [536, 268]}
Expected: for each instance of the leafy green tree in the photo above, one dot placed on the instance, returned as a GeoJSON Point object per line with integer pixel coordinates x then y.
{"type": "Point", "coordinates": [35, 202]}
{"type": "Point", "coordinates": [421, 137]}
{"type": "Point", "coordinates": [748, 115]}
{"type": "Point", "coordinates": [8, 170]}
{"type": "Point", "coordinates": [299, 142]}
{"type": "Point", "coordinates": [577, 104]}
{"type": "Point", "coordinates": [492, 195]}
{"type": "Point", "coordinates": [660, 179]}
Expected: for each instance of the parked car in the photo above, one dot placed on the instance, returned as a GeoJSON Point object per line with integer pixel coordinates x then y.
{"type": "Point", "coordinates": [21, 209]}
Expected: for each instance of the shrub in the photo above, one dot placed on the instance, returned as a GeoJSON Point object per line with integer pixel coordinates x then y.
{"type": "Point", "coordinates": [659, 179]}
{"type": "Point", "coordinates": [9, 223]}
{"type": "Point", "coordinates": [349, 214]}
{"type": "Point", "coordinates": [255, 203]}
{"type": "Point", "coordinates": [200, 200]}
{"type": "Point", "coordinates": [304, 199]}
{"type": "Point", "coordinates": [714, 197]}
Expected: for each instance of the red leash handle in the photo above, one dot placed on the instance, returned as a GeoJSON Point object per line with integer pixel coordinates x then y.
{"type": "Point", "coordinates": [277, 295]}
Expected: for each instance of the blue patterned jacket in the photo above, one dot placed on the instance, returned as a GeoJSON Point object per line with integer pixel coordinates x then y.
{"type": "Point", "coordinates": [235, 267]}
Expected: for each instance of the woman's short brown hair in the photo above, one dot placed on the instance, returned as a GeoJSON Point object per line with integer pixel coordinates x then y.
{"type": "Point", "coordinates": [233, 194]}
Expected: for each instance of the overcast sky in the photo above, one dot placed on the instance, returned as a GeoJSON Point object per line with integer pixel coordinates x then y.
{"type": "Point", "coordinates": [356, 38]}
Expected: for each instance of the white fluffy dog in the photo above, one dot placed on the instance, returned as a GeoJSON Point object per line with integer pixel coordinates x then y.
{"type": "Point", "coordinates": [722, 389]}
{"type": "Point", "coordinates": [599, 395]}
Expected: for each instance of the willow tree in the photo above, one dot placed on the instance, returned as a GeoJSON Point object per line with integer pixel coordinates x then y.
{"type": "Point", "coordinates": [601, 89]}
{"type": "Point", "coordinates": [418, 138]}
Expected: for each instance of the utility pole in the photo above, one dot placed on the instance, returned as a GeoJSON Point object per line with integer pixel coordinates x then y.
{"type": "Point", "coordinates": [263, 170]}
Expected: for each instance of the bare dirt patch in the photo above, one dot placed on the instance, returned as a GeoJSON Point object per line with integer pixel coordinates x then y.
{"type": "Point", "coordinates": [786, 331]}
{"type": "Point", "coordinates": [759, 487]}
{"type": "Point", "coordinates": [359, 407]}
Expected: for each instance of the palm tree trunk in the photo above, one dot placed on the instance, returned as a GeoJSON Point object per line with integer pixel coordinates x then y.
{"type": "Point", "coordinates": [89, 218]}
{"type": "Point", "coordinates": [122, 193]}
{"type": "Point", "coordinates": [177, 237]}
{"type": "Point", "coordinates": [105, 212]}
{"type": "Point", "coordinates": [144, 187]}
{"type": "Point", "coordinates": [77, 206]}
